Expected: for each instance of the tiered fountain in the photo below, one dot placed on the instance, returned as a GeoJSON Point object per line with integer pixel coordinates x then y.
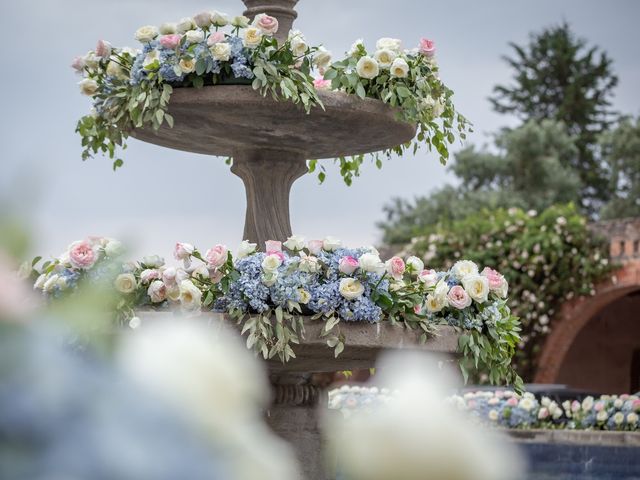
{"type": "Point", "coordinates": [270, 142]}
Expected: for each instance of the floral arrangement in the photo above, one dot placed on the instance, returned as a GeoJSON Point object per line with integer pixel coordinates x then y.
{"type": "Point", "coordinates": [268, 293]}
{"type": "Point", "coordinates": [507, 409]}
{"type": "Point", "coordinates": [131, 88]}
{"type": "Point", "coordinates": [549, 257]}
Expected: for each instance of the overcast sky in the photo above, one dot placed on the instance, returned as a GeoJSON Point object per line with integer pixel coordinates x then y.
{"type": "Point", "coordinates": [161, 195]}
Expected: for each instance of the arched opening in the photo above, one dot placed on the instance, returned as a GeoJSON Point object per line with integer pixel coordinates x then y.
{"type": "Point", "coordinates": [605, 354]}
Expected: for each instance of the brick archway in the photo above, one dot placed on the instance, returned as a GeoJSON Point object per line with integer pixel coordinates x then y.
{"type": "Point", "coordinates": [576, 314]}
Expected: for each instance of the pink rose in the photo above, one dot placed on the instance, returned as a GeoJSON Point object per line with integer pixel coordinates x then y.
{"type": "Point", "coordinates": [82, 255]}
{"type": "Point", "coordinates": [321, 84]}
{"type": "Point", "coordinates": [273, 246]}
{"type": "Point", "coordinates": [395, 267]}
{"type": "Point", "coordinates": [598, 406]}
{"type": "Point", "coordinates": [266, 23]}
{"type": "Point", "coordinates": [315, 246]}
{"type": "Point", "coordinates": [458, 297]}
{"type": "Point", "coordinates": [575, 406]}
{"type": "Point", "coordinates": [277, 253]}
{"type": "Point", "coordinates": [636, 405]}
{"type": "Point", "coordinates": [512, 402]}
{"type": "Point", "coordinates": [427, 47]}
{"type": "Point", "coordinates": [149, 274]}
{"type": "Point", "coordinates": [348, 264]}
{"type": "Point", "coordinates": [103, 49]}
{"type": "Point", "coordinates": [157, 291]}
{"type": "Point", "coordinates": [543, 413]}
{"type": "Point", "coordinates": [183, 251]}
{"type": "Point", "coordinates": [495, 279]}
{"type": "Point", "coordinates": [417, 309]}
{"type": "Point", "coordinates": [215, 37]}
{"type": "Point", "coordinates": [169, 276]}
{"type": "Point", "coordinates": [78, 64]}
{"type": "Point", "coordinates": [170, 41]}
{"type": "Point", "coordinates": [217, 256]}
{"type": "Point", "coordinates": [428, 277]}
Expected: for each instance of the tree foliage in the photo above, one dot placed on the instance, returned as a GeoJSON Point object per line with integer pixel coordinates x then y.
{"type": "Point", "coordinates": [558, 76]}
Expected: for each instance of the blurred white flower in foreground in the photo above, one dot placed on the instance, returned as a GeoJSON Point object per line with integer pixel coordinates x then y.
{"type": "Point", "coordinates": [16, 298]}
{"type": "Point", "coordinates": [217, 385]}
{"type": "Point", "coordinates": [416, 435]}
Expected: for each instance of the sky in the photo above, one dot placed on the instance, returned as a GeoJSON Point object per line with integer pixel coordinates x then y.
{"type": "Point", "coordinates": [161, 196]}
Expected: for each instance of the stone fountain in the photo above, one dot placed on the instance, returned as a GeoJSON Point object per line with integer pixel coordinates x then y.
{"type": "Point", "coordinates": [270, 142]}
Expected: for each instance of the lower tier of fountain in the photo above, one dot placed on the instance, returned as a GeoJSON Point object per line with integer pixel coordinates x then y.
{"type": "Point", "coordinates": [298, 399]}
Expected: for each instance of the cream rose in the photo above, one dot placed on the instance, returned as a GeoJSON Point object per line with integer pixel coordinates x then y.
{"type": "Point", "coordinates": [271, 263]}
{"type": "Point", "coordinates": [435, 303]}
{"type": "Point", "coordinates": [298, 44]}
{"type": "Point", "coordinates": [322, 57]}
{"type": "Point", "coordinates": [221, 51]}
{"type": "Point", "coordinates": [146, 34]}
{"type": "Point", "coordinates": [219, 19]}
{"type": "Point", "coordinates": [330, 244]}
{"type": "Point", "coordinates": [187, 65]}
{"type": "Point", "coordinates": [351, 288]}
{"type": "Point", "coordinates": [115, 70]}
{"type": "Point", "coordinates": [240, 21]}
{"type": "Point", "coordinates": [190, 296]}
{"type": "Point", "coordinates": [125, 283]}
{"type": "Point", "coordinates": [477, 287]}
{"type": "Point", "coordinates": [167, 29]}
{"type": "Point", "coordinates": [462, 268]}
{"type": "Point", "coordinates": [184, 25]}
{"type": "Point", "coordinates": [386, 43]}
{"type": "Point", "coordinates": [399, 68]}
{"type": "Point", "coordinates": [385, 57]}
{"type": "Point", "coordinates": [367, 67]}
{"type": "Point", "coordinates": [88, 86]}
{"type": "Point", "coordinates": [195, 36]}
{"type": "Point", "coordinates": [252, 37]}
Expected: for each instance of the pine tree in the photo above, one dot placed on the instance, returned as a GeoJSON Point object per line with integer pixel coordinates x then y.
{"type": "Point", "coordinates": [557, 76]}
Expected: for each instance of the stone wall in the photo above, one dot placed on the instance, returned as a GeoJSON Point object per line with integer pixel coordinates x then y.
{"type": "Point", "coordinates": [623, 235]}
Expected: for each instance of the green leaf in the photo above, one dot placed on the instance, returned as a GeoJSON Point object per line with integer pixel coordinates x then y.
{"type": "Point", "coordinates": [117, 164]}
{"type": "Point", "coordinates": [360, 91]}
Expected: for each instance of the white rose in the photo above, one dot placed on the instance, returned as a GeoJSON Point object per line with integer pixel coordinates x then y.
{"type": "Point", "coordinates": [351, 288]}
{"type": "Point", "coordinates": [91, 60]}
{"type": "Point", "coordinates": [88, 86]}
{"type": "Point", "coordinates": [50, 283]}
{"type": "Point", "coordinates": [428, 277]}
{"type": "Point", "coordinates": [151, 60]}
{"type": "Point", "coordinates": [269, 278]}
{"type": "Point", "coordinates": [240, 21]}
{"type": "Point", "coordinates": [386, 43]}
{"type": "Point", "coordinates": [185, 25]}
{"type": "Point", "coordinates": [632, 418]}
{"type": "Point", "coordinates": [295, 243]}
{"type": "Point", "coordinates": [115, 70]}
{"type": "Point", "coordinates": [493, 415]}
{"type": "Point", "coordinates": [200, 271]}
{"type": "Point", "coordinates": [221, 51]}
{"type": "Point", "coordinates": [435, 303]}
{"type": "Point", "coordinates": [173, 293]}
{"type": "Point", "coordinates": [157, 291]}
{"type": "Point", "coordinates": [370, 262]}
{"type": "Point", "coordinates": [219, 19]}
{"type": "Point", "coordinates": [602, 416]}
{"type": "Point", "coordinates": [462, 268]}
{"type": "Point", "coordinates": [190, 296]}
{"type": "Point", "coordinates": [618, 418]}
{"type": "Point", "coordinates": [414, 264]}
{"type": "Point", "coordinates": [202, 19]}
{"type": "Point", "coordinates": [305, 297]}
{"type": "Point", "coordinates": [385, 57]}
{"type": "Point", "coordinates": [146, 34]}
{"type": "Point", "coordinates": [153, 261]}
{"type": "Point", "coordinates": [167, 29]}
{"type": "Point", "coordinates": [356, 47]}
{"type": "Point", "coordinates": [331, 244]}
{"type": "Point", "coordinates": [399, 68]}
{"type": "Point", "coordinates": [187, 65]}
{"type": "Point", "coordinates": [309, 264]}
{"type": "Point", "coordinates": [195, 36]}
{"type": "Point", "coordinates": [477, 286]}
{"type": "Point", "coordinates": [251, 37]}
{"type": "Point", "coordinates": [245, 249]}
{"type": "Point", "coordinates": [271, 263]}
{"type": "Point", "coordinates": [322, 57]}
{"type": "Point", "coordinates": [39, 284]}
{"type": "Point", "coordinates": [441, 291]}
{"type": "Point", "coordinates": [367, 67]}
{"type": "Point", "coordinates": [125, 283]}
{"type": "Point", "coordinates": [298, 44]}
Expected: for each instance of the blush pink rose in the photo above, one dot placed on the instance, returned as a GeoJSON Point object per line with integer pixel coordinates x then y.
{"type": "Point", "coordinates": [458, 298]}
{"type": "Point", "coordinates": [183, 251]}
{"type": "Point", "coordinates": [348, 264]}
{"type": "Point", "coordinates": [598, 406]}
{"type": "Point", "coordinates": [428, 277]}
{"type": "Point", "coordinates": [82, 255]}
{"type": "Point", "coordinates": [103, 49]}
{"type": "Point", "coordinates": [217, 256]}
{"type": "Point", "coordinates": [266, 23]}
{"type": "Point", "coordinates": [427, 47]}
{"type": "Point", "coordinates": [277, 253]}
{"type": "Point", "coordinates": [149, 274]}
{"type": "Point", "coordinates": [157, 291]}
{"type": "Point", "coordinates": [495, 279]}
{"type": "Point", "coordinates": [273, 246]}
{"type": "Point", "coordinates": [512, 402]}
{"type": "Point", "coordinates": [321, 84]}
{"type": "Point", "coordinates": [169, 276]}
{"type": "Point", "coordinates": [78, 64]}
{"type": "Point", "coordinates": [216, 276]}
{"type": "Point", "coordinates": [395, 267]}
{"type": "Point", "coordinates": [315, 246]}
{"type": "Point", "coordinates": [170, 41]}
{"type": "Point", "coordinates": [215, 37]}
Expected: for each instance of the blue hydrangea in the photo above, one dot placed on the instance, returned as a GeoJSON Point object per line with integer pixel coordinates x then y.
{"type": "Point", "coordinates": [361, 310]}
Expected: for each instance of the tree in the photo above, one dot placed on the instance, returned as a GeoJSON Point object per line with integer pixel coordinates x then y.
{"type": "Point", "coordinates": [621, 149]}
{"type": "Point", "coordinates": [527, 171]}
{"type": "Point", "coordinates": [557, 76]}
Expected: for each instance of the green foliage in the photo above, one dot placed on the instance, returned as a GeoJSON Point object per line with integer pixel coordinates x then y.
{"type": "Point", "coordinates": [557, 76]}
{"type": "Point", "coordinates": [525, 171]}
{"type": "Point", "coordinates": [621, 148]}
{"type": "Point", "coordinates": [547, 258]}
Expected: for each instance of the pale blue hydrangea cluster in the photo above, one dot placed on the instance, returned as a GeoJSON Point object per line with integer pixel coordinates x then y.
{"type": "Point", "coordinates": [248, 293]}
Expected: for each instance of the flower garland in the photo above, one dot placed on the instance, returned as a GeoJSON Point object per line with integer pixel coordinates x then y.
{"type": "Point", "coordinates": [268, 293]}
{"type": "Point", "coordinates": [507, 409]}
{"type": "Point", "coordinates": [131, 88]}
